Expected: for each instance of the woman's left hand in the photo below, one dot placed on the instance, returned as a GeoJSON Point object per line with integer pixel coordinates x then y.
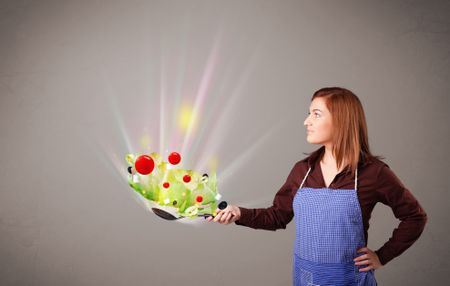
{"type": "Point", "coordinates": [370, 259]}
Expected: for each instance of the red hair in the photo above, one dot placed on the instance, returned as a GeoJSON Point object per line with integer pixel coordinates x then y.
{"type": "Point", "coordinates": [350, 136]}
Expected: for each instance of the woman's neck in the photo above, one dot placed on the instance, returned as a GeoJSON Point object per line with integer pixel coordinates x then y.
{"type": "Point", "coordinates": [328, 157]}
{"type": "Point", "coordinates": [329, 160]}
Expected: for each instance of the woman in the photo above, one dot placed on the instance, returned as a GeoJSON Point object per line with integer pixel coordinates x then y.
{"type": "Point", "coordinates": [331, 195]}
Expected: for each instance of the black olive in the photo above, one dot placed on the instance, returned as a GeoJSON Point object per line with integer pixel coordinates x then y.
{"type": "Point", "coordinates": [129, 169]}
{"type": "Point", "coordinates": [223, 205]}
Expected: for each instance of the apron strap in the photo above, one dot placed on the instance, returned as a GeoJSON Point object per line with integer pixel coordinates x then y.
{"type": "Point", "coordinates": [304, 179]}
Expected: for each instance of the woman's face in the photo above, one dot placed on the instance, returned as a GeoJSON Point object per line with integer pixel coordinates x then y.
{"type": "Point", "coordinates": [318, 123]}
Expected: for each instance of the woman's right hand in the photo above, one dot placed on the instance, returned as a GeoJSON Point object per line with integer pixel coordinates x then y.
{"type": "Point", "coordinates": [228, 215]}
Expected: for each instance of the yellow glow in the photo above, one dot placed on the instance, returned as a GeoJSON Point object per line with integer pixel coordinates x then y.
{"type": "Point", "coordinates": [145, 141]}
{"type": "Point", "coordinates": [212, 164]}
{"type": "Point", "coordinates": [130, 158]}
{"type": "Point", "coordinates": [186, 117]}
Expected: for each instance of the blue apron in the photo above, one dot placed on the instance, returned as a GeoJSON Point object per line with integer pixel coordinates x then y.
{"type": "Point", "coordinates": [329, 230]}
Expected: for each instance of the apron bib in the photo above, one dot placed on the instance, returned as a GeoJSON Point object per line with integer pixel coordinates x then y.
{"type": "Point", "coordinates": [329, 230]}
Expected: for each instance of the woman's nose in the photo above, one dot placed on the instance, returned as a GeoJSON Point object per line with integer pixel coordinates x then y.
{"type": "Point", "coordinates": [306, 122]}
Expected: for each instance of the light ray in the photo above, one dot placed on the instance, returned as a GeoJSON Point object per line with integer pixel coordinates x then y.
{"type": "Point", "coordinates": [217, 135]}
{"type": "Point", "coordinates": [201, 94]}
{"type": "Point", "coordinates": [245, 156]}
{"type": "Point", "coordinates": [115, 110]}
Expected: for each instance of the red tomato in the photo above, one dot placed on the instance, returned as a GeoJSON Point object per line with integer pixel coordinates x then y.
{"type": "Point", "coordinates": [174, 158]}
{"type": "Point", "coordinates": [144, 164]}
{"type": "Point", "coordinates": [186, 178]}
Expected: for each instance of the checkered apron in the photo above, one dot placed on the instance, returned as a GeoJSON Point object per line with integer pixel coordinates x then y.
{"type": "Point", "coordinates": [329, 230]}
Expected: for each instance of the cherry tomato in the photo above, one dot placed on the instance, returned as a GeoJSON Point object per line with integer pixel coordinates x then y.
{"type": "Point", "coordinates": [174, 158]}
{"type": "Point", "coordinates": [144, 164]}
{"type": "Point", "coordinates": [186, 178]}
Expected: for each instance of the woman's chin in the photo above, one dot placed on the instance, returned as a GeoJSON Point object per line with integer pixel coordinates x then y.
{"type": "Point", "coordinates": [312, 141]}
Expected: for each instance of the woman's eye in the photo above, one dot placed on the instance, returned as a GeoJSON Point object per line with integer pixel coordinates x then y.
{"type": "Point", "coordinates": [316, 114]}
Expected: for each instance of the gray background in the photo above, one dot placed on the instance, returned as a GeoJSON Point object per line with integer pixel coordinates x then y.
{"type": "Point", "coordinates": [80, 81]}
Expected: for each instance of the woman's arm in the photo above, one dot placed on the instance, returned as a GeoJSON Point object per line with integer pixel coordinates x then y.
{"type": "Point", "coordinates": [406, 208]}
{"type": "Point", "coordinates": [280, 213]}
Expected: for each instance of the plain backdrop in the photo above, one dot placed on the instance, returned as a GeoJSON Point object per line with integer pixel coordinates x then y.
{"type": "Point", "coordinates": [82, 81]}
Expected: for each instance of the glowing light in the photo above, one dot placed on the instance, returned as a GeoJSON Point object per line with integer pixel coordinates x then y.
{"type": "Point", "coordinates": [186, 118]}
{"type": "Point", "coordinates": [212, 164]}
{"type": "Point", "coordinates": [145, 141]}
{"type": "Point", "coordinates": [187, 124]}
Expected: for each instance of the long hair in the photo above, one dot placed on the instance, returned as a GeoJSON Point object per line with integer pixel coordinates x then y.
{"type": "Point", "coordinates": [350, 136]}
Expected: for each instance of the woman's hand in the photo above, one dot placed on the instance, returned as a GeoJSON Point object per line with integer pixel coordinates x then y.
{"type": "Point", "coordinates": [228, 215]}
{"type": "Point", "coordinates": [370, 259]}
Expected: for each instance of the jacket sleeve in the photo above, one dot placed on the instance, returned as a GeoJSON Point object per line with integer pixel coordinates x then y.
{"type": "Point", "coordinates": [280, 213]}
{"type": "Point", "coordinates": [406, 208]}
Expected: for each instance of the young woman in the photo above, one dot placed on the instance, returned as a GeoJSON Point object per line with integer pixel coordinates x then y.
{"type": "Point", "coordinates": [331, 195]}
